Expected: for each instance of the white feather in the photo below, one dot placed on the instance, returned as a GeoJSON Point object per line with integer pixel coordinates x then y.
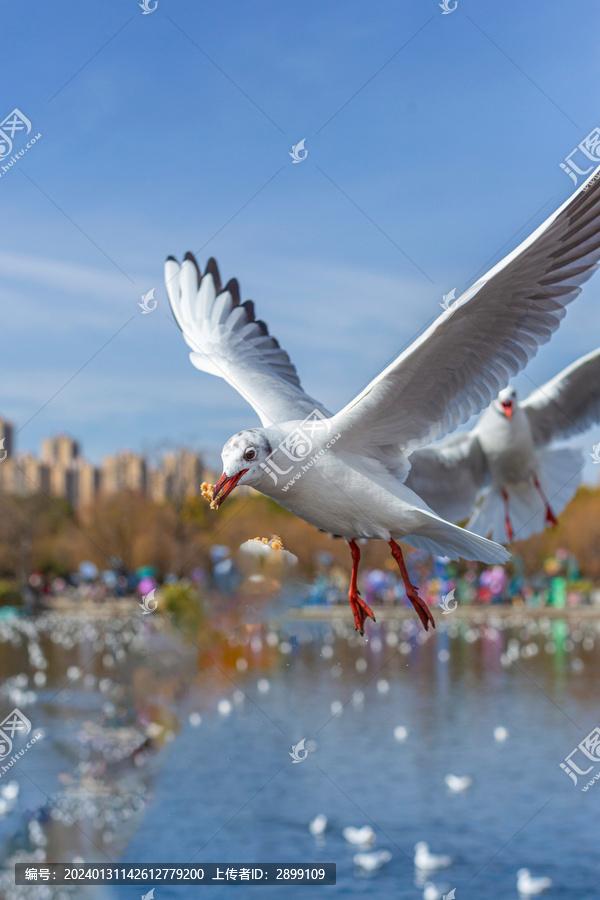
{"type": "Point", "coordinates": [568, 403]}
{"type": "Point", "coordinates": [227, 341]}
{"type": "Point", "coordinates": [461, 361]}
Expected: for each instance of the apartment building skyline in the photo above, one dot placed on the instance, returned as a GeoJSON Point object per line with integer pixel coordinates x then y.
{"type": "Point", "coordinates": [62, 471]}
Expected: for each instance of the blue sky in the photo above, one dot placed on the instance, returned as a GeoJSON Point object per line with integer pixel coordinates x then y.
{"type": "Point", "coordinates": [434, 144]}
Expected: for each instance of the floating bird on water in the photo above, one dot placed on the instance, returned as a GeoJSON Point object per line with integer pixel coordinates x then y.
{"type": "Point", "coordinates": [370, 862]}
{"type": "Point", "coordinates": [318, 825]}
{"type": "Point", "coordinates": [431, 892]}
{"type": "Point", "coordinates": [10, 791]}
{"type": "Point", "coordinates": [400, 733]}
{"type": "Point", "coordinates": [526, 483]}
{"type": "Point", "coordinates": [528, 886]}
{"type": "Point", "coordinates": [429, 862]}
{"type": "Point", "coordinates": [345, 473]}
{"type": "Point", "coordinates": [458, 783]}
{"type": "Point", "coordinates": [360, 837]}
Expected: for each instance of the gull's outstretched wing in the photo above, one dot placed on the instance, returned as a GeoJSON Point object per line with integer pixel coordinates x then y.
{"type": "Point", "coordinates": [568, 403]}
{"type": "Point", "coordinates": [226, 340]}
{"type": "Point", "coordinates": [448, 476]}
{"type": "Point", "coordinates": [459, 364]}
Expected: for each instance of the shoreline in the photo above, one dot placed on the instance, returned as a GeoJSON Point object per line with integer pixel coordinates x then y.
{"type": "Point", "coordinates": [477, 614]}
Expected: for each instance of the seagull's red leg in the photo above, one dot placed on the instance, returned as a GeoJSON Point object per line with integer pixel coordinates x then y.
{"type": "Point", "coordinates": [421, 608]}
{"type": "Point", "coordinates": [360, 609]}
{"type": "Point", "coordinates": [509, 531]}
{"type": "Point", "coordinates": [550, 517]}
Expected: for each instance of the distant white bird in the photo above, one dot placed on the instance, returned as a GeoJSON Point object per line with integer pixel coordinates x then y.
{"type": "Point", "coordinates": [500, 733]}
{"type": "Point", "coordinates": [400, 733]}
{"type": "Point", "coordinates": [359, 837]}
{"type": "Point", "coordinates": [345, 473]}
{"type": "Point", "coordinates": [528, 886]}
{"type": "Point", "coordinates": [506, 459]}
{"type": "Point", "coordinates": [431, 892]}
{"type": "Point", "coordinates": [372, 861]}
{"type": "Point", "coordinates": [10, 791]}
{"type": "Point", "coordinates": [458, 783]}
{"type": "Point", "coordinates": [318, 825]}
{"type": "Point", "coordinates": [429, 862]}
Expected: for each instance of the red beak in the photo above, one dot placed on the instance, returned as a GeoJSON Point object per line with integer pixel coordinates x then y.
{"type": "Point", "coordinates": [225, 485]}
{"type": "Point", "coordinates": [507, 406]}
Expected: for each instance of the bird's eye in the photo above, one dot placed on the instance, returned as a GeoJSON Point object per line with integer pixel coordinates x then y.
{"type": "Point", "coordinates": [250, 454]}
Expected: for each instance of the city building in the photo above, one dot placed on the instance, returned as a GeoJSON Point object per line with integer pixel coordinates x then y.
{"type": "Point", "coordinates": [125, 471]}
{"type": "Point", "coordinates": [23, 475]}
{"type": "Point", "coordinates": [184, 471]}
{"type": "Point", "coordinates": [60, 449]}
{"type": "Point", "coordinates": [88, 483]}
{"type": "Point", "coordinates": [61, 472]}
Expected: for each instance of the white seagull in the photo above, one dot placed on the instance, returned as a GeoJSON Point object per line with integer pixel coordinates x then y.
{"type": "Point", "coordinates": [372, 861]}
{"type": "Point", "coordinates": [318, 825]}
{"type": "Point", "coordinates": [10, 791]}
{"type": "Point", "coordinates": [345, 473]}
{"type": "Point", "coordinates": [458, 783]}
{"type": "Point", "coordinates": [528, 886]}
{"type": "Point", "coordinates": [431, 892]}
{"type": "Point", "coordinates": [429, 862]}
{"type": "Point", "coordinates": [359, 837]}
{"type": "Point", "coordinates": [525, 483]}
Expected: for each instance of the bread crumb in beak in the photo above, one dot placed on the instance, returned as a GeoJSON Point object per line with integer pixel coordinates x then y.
{"type": "Point", "coordinates": [207, 491]}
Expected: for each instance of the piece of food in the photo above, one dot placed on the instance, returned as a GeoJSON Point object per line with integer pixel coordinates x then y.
{"type": "Point", "coordinates": [275, 543]}
{"type": "Point", "coordinates": [207, 492]}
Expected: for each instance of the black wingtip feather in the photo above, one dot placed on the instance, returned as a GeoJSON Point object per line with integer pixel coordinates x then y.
{"type": "Point", "coordinates": [191, 258]}
{"type": "Point", "coordinates": [213, 269]}
{"type": "Point", "coordinates": [249, 307]}
{"type": "Point", "coordinates": [234, 289]}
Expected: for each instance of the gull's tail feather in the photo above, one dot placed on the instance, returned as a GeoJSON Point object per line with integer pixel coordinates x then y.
{"type": "Point", "coordinates": [444, 539]}
{"type": "Point", "coordinates": [559, 476]}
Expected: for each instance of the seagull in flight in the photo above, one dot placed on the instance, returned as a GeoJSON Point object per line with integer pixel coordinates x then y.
{"type": "Point", "coordinates": [525, 483]}
{"type": "Point", "coordinates": [345, 473]}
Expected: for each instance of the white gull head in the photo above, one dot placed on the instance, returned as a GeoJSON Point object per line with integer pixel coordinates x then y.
{"type": "Point", "coordinates": [244, 457]}
{"type": "Point", "coordinates": [505, 402]}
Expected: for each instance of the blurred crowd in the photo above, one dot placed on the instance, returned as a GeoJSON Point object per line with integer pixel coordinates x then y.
{"type": "Point", "coordinates": [558, 583]}
{"type": "Point", "coordinates": [88, 583]}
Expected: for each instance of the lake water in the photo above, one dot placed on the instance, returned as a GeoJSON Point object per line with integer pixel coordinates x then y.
{"type": "Point", "coordinates": [230, 792]}
{"type": "Point", "coordinates": [226, 790]}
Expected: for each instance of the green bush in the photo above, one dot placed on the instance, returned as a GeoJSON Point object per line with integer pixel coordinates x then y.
{"type": "Point", "coordinates": [9, 593]}
{"type": "Point", "coordinates": [184, 602]}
